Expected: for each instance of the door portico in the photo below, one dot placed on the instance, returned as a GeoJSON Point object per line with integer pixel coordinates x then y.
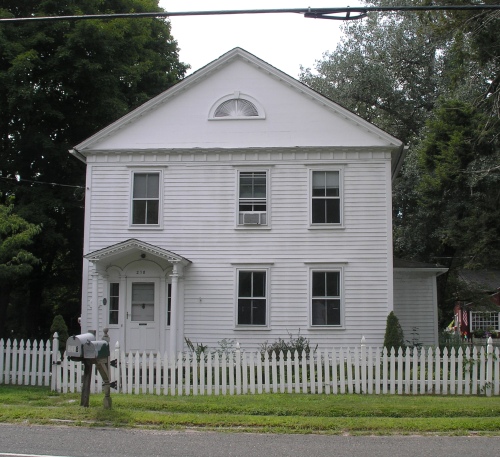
{"type": "Point", "coordinates": [136, 295]}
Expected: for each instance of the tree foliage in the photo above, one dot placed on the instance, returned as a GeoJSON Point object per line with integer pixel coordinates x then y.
{"type": "Point", "coordinates": [16, 261]}
{"type": "Point", "coordinates": [431, 79]}
{"type": "Point", "coordinates": [60, 82]}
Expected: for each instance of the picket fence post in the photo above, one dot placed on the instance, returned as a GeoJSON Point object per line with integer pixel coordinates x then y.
{"type": "Point", "coordinates": [56, 361]}
{"type": "Point", "coordinates": [489, 367]}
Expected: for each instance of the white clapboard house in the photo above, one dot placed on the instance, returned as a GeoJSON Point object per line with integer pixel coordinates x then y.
{"type": "Point", "coordinates": [242, 205]}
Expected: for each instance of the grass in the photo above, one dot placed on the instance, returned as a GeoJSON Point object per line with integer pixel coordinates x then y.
{"type": "Point", "coordinates": [271, 413]}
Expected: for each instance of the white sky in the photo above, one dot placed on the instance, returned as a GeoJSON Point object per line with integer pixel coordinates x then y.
{"type": "Point", "coordinates": [285, 41]}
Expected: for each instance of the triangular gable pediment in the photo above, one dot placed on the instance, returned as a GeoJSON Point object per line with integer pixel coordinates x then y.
{"type": "Point", "coordinates": [125, 248]}
{"type": "Point", "coordinates": [293, 115]}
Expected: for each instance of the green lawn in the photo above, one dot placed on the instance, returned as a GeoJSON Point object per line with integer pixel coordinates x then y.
{"type": "Point", "coordinates": [272, 413]}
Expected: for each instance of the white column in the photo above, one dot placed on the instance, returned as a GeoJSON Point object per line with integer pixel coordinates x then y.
{"type": "Point", "coordinates": [163, 313]}
{"type": "Point", "coordinates": [173, 310]}
{"type": "Point", "coordinates": [95, 299]}
{"type": "Point", "coordinates": [122, 309]}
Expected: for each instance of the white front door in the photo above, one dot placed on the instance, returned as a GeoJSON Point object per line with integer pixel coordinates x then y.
{"type": "Point", "coordinates": [142, 317]}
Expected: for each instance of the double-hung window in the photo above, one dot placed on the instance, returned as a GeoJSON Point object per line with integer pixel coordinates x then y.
{"type": "Point", "coordinates": [252, 297]}
{"type": "Point", "coordinates": [145, 198]}
{"type": "Point", "coordinates": [326, 298]}
{"type": "Point", "coordinates": [326, 204]}
{"type": "Point", "coordinates": [252, 198]}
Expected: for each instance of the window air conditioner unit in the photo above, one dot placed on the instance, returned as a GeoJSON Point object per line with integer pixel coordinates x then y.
{"type": "Point", "coordinates": [251, 218]}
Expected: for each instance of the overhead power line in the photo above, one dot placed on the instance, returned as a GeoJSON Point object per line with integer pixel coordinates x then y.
{"type": "Point", "coordinates": [343, 13]}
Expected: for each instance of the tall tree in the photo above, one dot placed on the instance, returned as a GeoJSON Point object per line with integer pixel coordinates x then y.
{"type": "Point", "coordinates": [16, 261]}
{"type": "Point", "coordinates": [60, 82]}
{"type": "Point", "coordinates": [432, 80]}
{"type": "Point", "coordinates": [386, 69]}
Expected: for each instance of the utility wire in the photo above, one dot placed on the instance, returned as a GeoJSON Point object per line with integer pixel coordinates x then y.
{"type": "Point", "coordinates": [20, 180]}
{"type": "Point", "coordinates": [350, 13]}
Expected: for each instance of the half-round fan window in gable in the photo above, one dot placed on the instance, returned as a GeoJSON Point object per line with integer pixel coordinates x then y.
{"type": "Point", "coordinates": [236, 107]}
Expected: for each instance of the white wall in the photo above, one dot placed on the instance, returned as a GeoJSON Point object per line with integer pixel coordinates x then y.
{"type": "Point", "coordinates": [198, 223]}
{"type": "Point", "coordinates": [415, 304]}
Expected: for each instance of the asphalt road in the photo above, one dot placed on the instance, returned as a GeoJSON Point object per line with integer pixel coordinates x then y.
{"type": "Point", "coordinates": [19, 440]}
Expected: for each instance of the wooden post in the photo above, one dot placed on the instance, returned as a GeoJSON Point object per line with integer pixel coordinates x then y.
{"type": "Point", "coordinates": [87, 379]}
{"type": "Point", "coordinates": [106, 381]}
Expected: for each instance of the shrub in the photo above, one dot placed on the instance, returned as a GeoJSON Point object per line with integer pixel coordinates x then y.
{"type": "Point", "coordinates": [394, 337]}
{"type": "Point", "coordinates": [59, 326]}
{"type": "Point", "coordinates": [299, 344]}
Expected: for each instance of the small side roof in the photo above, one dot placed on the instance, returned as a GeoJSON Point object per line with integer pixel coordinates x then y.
{"type": "Point", "coordinates": [401, 264]}
{"type": "Point", "coordinates": [125, 247]}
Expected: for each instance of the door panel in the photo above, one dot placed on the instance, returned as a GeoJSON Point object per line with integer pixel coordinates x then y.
{"type": "Point", "coordinates": [142, 329]}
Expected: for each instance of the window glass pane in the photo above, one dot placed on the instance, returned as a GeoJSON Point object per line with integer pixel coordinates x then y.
{"type": "Point", "coordinates": [318, 211]}
{"type": "Point", "coordinates": [260, 186]}
{"type": "Point", "coordinates": [246, 186]}
{"type": "Point", "coordinates": [318, 289]}
{"type": "Point", "coordinates": [319, 181]}
{"type": "Point", "coordinates": [332, 284]}
{"type": "Point", "coordinates": [325, 312]}
{"type": "Point", "coordinates": [318, 312]}
{"type": "Point", "coordinates": [333, 312]}
{"type": "Point", "coordinates": [140, 185]}
{"type": "Point", "coordinates": [114, 288]}
{"type": "Point", "coordinates": [143, 294]}
{"type": "Point", "coordinates": [332, 209]}
{"type": "Point", "coordinates": [152, 212]}
{"type": "Point", "coordinates": [114, 299]}
{"type": "Point", "coordinates": [332, 179]}
{"type": "Point", "coordinates": [259, 284]}
{"type": "Point", "coordinates": [253, 185]}
{"type": "Point", "coordinates": [245, 284]}
{"type": "Point", "coordinates": [244, 311]}
{"type": "Point", "coordinates": [252, 312]}
{"type": "Point", "coordinates": [153, 184]}
{"type": "Point", "coordinates": [139, 212]}
{"type": "Point", "coordinates": [169, 302]}
{"type": "Point", "coordinates": [259, 312]}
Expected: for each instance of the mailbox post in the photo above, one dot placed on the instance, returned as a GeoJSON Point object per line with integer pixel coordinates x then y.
{"type": "Point", "coordinates": [84, 348]}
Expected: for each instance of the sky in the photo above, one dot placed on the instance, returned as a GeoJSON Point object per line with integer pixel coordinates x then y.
{"type": "Point", "coordinates": [285, 41]}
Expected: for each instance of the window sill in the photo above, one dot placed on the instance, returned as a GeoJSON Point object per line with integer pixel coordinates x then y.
{"type": "Point", "coordinates": [252, 227]}
{"type": "Point", "coordinates": [247, 328]}
{"type": "Point", "coordinates": [326, 227]}
{"type": "Point", "coordinates": [326, 327]}
{"type": "Point", "coordinates": [145, 227]}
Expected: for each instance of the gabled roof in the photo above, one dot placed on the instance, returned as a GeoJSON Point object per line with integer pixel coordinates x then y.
{"type": "Point", "coordinates": [214, 67]}
{"type": "Point", "coordinates": [120, 249]}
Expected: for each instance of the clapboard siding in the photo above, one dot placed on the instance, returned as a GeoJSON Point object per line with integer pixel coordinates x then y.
{"type": "Point", "coordinates": [199, 223]}
{"type": "Point", "coordinates": [415, 305]}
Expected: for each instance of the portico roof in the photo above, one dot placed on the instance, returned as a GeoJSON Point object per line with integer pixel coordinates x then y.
{"type": "Point", "coordinates": [129, 246]}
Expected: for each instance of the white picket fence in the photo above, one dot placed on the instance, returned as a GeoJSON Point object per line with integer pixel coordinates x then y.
{"type": "Point", "coordinates": [362, 370]}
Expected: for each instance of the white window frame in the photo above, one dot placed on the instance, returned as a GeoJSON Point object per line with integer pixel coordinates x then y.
{"type": "Point", "coordinates": [340, 198]}
{"type": "Point", "coordinates": [264, 218]}
{"type": "Point", "coordinates": [142, 171]}
{"type": "Point", "coordinates": [327, 269]}
{"type": "Point", "coordinates": [267, 297]}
